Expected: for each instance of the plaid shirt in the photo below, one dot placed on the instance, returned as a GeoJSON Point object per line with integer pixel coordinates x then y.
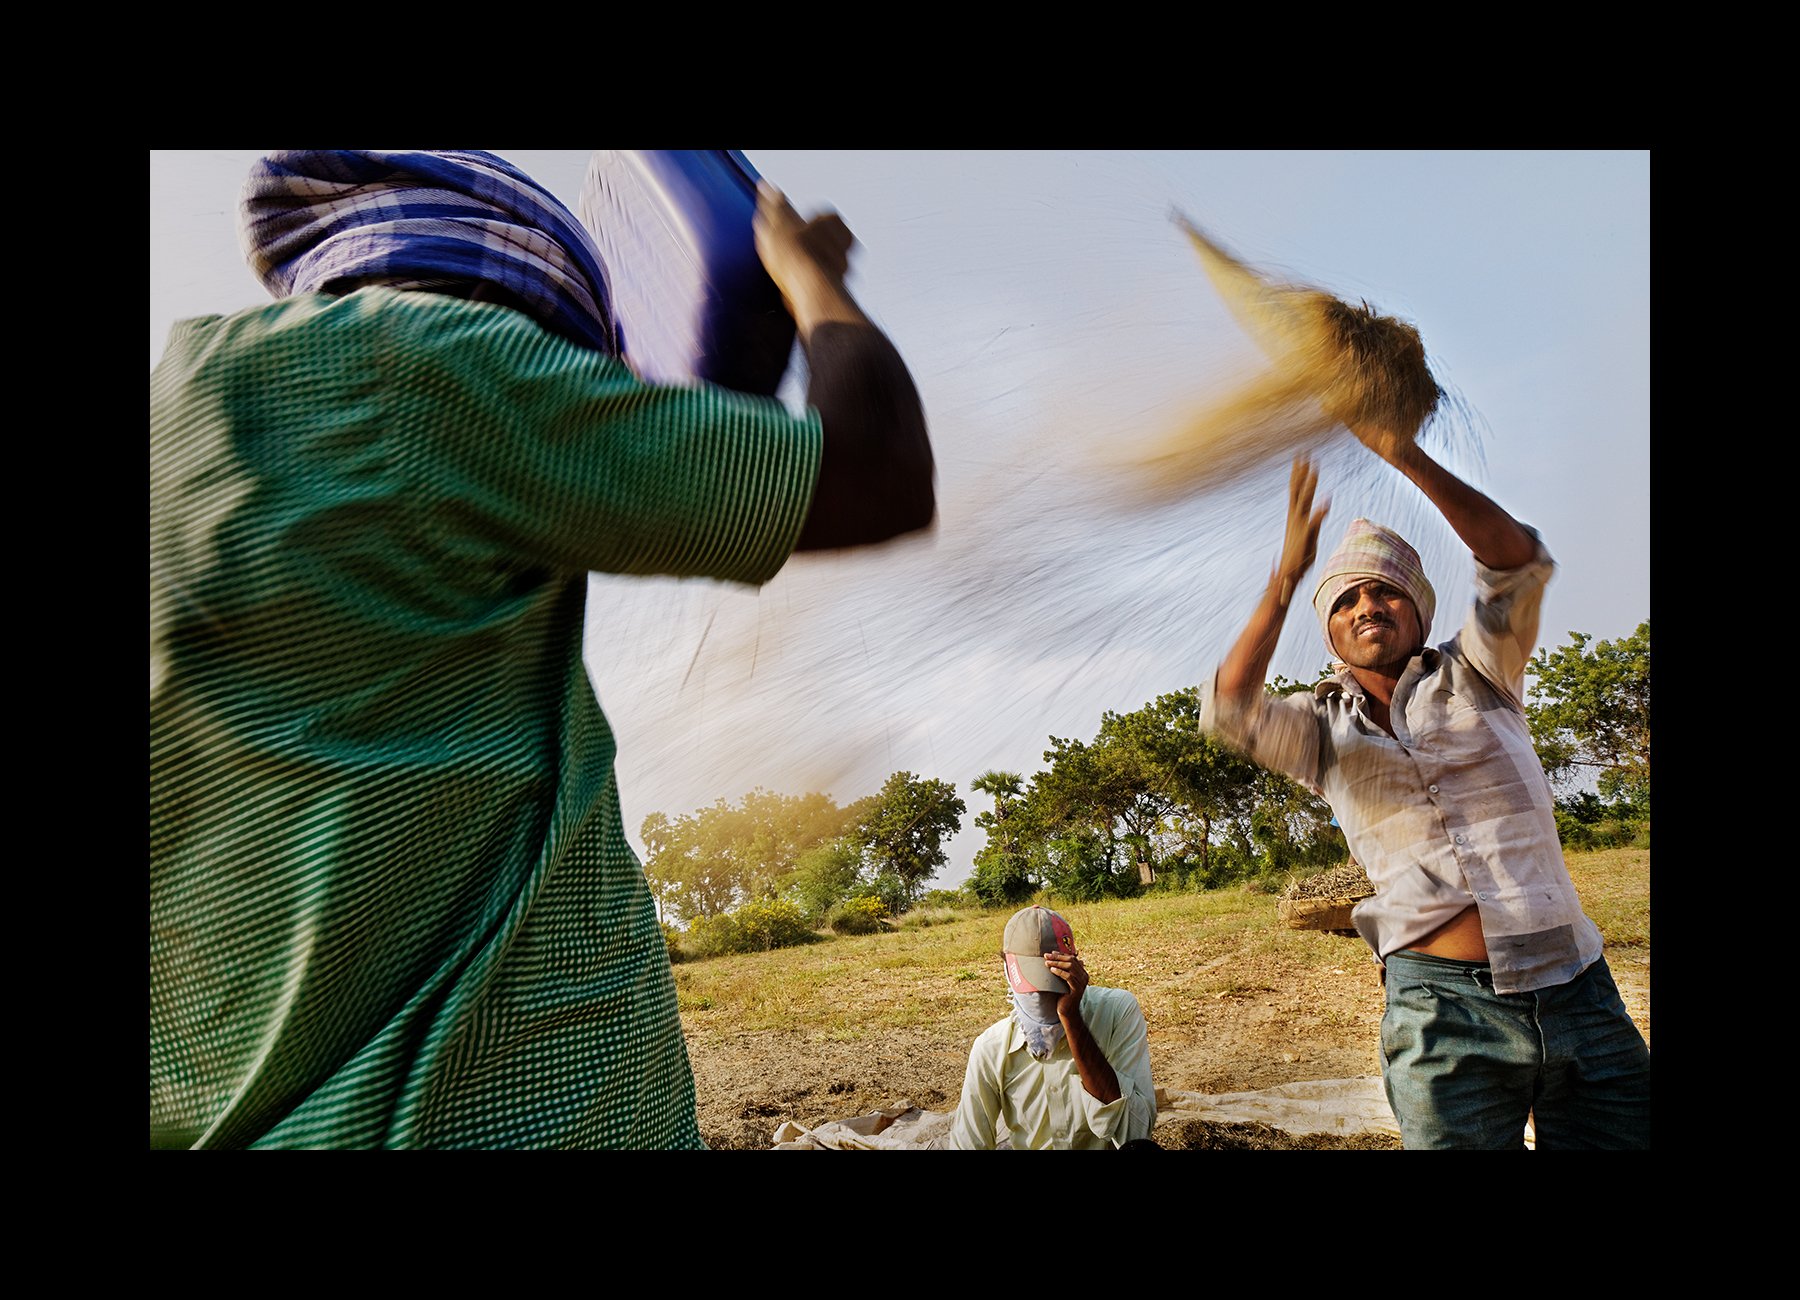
{"type": "Point", "coordinates": [1453, 808]}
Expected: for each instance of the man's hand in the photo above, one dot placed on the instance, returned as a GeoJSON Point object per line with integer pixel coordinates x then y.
{"type": "Point", "coordinates": [1067, 967]}
{"type": "Point", "coordinates": [807, 260]}
{"type": "Point", "coordinates": [1098, 1078]}
{"type": "Point", "coordinates": [1246, 664]}
{"type": "Point", "coordinates": [1300, 545]}
{"type": "Point", "coordinates": [1388, 443]}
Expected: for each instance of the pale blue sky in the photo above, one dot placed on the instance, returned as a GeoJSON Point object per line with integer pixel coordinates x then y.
{"type": "Point", "coordinates": [1048, 308]}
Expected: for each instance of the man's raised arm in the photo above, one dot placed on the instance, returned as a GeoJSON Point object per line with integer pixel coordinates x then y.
{"type": "Point", "coordinates": [1246, 666]}
{"type": "Point", "coordinates": [875, 474]}
{"type": "Point", "coordinates": [1494, 537]}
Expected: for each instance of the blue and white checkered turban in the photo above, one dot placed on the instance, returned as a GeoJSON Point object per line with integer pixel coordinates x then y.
{"type": "Point", "coordinates": [423, 218]}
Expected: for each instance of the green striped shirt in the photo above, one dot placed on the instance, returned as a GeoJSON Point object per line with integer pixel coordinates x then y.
{"type": "Point", "coordinates": [391, 899]}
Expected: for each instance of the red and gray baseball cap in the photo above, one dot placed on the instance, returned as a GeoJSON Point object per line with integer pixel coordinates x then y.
{"type": "Point", "coordinates": [1032, 932]}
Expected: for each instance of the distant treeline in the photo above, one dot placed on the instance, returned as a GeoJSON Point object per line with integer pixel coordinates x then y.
{"type": "Point", "coordinates": [1149, 803]}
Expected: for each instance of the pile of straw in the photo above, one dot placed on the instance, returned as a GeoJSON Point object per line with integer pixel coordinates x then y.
{"type": "Point", "coordinates": [1349, 881]}
{"type": "Point", "coordinates": [1334, 367]}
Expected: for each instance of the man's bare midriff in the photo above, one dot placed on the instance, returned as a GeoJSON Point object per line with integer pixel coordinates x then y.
{"type": "Point", "coordinates": [1459, 938]}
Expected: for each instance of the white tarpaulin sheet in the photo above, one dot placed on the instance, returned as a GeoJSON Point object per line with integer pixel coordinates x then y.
{"type": "Point", "coordinates": [1340, 1107]}
{"type": "Point", "coordinates": [900, 1127]}
{"type": "Point", "coordinates": [1343, 1107]}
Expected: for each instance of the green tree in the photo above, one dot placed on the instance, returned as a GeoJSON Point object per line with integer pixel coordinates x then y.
{"type": "Point", "coordinates": [1084, 804]}
{"type": "Point", "coordinates": [690, 866]}
{"type": "Point", "coordinates": [719, 858]}
{"type": "Point", "coordinates": [1106, 816]}
{"type": "Point", "coordinates": [1183, 808]}
{"type": "Point", "coordinates": [1151, 799]}
{"type": "Point", "coordinates": [1290, 827]}
{"type": "Point", "coordinates": [1002, 872]}
{"type": "Point", "coordinates": [901, 831]}
{"type": "Point", "coordinates": [825, 876]}
{"type": "Point", "coordinates": [1589, 710]}
{"type": "Point", "coordinates": [1210, 788]}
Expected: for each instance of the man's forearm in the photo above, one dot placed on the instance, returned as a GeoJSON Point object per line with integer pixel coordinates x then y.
{"type": "Point", "coordinates": [1246, 665]}
{"type": "Point", "coordinates": [1097, 1075]}
{"type": "Point", "coordinates": [875, 474]}
{"type": "Point", "coordinates": [1495, 538]}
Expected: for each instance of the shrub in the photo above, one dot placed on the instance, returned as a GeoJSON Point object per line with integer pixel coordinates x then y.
{"type": "Point", "coordinates": [754, 927]}
{"type": "Point", "coordinates": [1000, 878]}
{"type": "Point", "coordinates": [672, 938]}
{"type": "Point", "coordinates": [1573, 832]}
{"type": "Point", "coordinates": [950, 898]}
{"type": "Point", "coordinates": [920, 917]}
{"type": "Point", "coordinates": [824, 875]}
{"type": "Point", "coordinates": [1606, 833]}
{"type": "Point", "coordinates": [1230, 860]}
{"type": "Point", "coordinates": [712, 936]}
{"type": "Point", "coordinates": [865, 915]}
{"type": "Point", "coordinates": [1584, 822]}
{"type": "Point", "coordinates": [773, 924]}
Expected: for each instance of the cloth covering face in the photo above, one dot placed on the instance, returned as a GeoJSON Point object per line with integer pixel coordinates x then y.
{"type": "Point", "coordinates": [1042, 1105]}
{"type": "Point", "coordinates": [1035, 1014]}
{"type": "Point", "coordinates": [391, 899]}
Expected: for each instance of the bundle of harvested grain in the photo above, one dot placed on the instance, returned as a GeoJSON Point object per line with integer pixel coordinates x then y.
{"type": "Point", "coordinates": [1325, 901]}
{"type": "Point", "coordinates": [1334, 366]}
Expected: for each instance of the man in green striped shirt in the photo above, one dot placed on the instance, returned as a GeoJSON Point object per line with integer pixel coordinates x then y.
{"type": "Point", "coordinates": [392, 903]}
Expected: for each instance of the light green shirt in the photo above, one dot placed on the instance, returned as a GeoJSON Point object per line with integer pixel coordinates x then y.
{"type": "Point", "coordinates": [1042, 1105]}
{"type": "Point", "coordinates": [391, 899]}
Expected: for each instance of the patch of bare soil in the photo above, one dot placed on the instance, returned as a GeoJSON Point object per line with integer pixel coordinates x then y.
{"type": "Point", "coordinates": [1274, 1023]}
{"type": "Point", "coordinates": [1199, 1135]}
{"type": "Point", "coordinates": [749, 1084]}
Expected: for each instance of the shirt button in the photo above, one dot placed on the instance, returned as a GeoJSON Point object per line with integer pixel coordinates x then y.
{"type": "Point", "coordinates": [1482, 897]}
{"type": "Point", "coordinates": [1459, 839]}
{"type": "Point", "coordinates": [1432, 788]}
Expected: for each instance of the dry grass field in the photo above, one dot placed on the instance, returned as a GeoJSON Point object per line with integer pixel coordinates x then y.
{"type": "Point", "coordinates": [1234, 1001]}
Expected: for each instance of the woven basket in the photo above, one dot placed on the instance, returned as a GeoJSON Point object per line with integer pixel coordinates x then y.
{"type": "Point", "coordinates": [1317, 913]}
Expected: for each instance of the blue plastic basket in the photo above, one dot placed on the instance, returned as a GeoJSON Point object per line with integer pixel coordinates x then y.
{"type": "Point", "coordinates": [690, 294]}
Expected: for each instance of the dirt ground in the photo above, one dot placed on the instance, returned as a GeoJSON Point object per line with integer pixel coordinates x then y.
{"type": "Point", "coordinates": [1273, 1027]}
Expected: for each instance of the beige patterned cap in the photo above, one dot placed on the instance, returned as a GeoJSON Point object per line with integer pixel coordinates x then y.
{"type": "Point", "coordinates": [1371, 553]}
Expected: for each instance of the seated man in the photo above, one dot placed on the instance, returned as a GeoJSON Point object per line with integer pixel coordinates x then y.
{"type": "Point", "coordinates": [1069, 1069]}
